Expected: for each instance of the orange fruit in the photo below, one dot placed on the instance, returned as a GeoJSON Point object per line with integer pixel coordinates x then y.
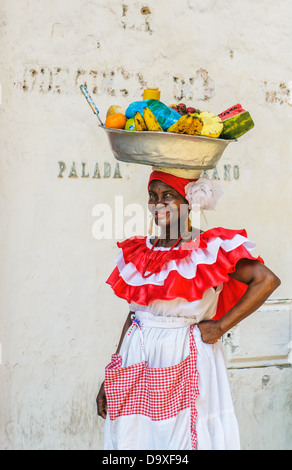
{"type": "Point", "coordinates": [116, 121]}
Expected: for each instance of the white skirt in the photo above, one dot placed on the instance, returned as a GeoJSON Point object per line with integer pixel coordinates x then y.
{"type": "Point", "coordinates": [166, 343]}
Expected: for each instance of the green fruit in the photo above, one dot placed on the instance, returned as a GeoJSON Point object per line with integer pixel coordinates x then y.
{"type": "Point", "coordinates": [130, 125]}
{"type": "Point", "coordinates": [236, 126]}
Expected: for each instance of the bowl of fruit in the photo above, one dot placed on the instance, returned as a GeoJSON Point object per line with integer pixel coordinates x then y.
{"type": "Point", "coordinates": [150, 132]}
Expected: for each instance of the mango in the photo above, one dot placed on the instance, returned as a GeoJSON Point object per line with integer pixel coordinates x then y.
{"type": "Point", "coordinates": [114, 109]}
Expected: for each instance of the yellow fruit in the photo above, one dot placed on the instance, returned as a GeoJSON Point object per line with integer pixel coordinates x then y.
{"type": "Point", "coordinates": [114, 109]}
{"type": "Point", "coordinates": [181, 126]}
{"type": "Point", "coordinates": [196, 126]}
{"type": "Point", "coordinates": [212, 124]}
{"type": "Point", "coordinates": [139, 122]}
{"type": "Point", "coordinates": [150, 120]}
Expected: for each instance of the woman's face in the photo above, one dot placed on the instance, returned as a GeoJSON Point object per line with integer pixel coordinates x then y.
{"type": "Point", "coordinates": [166, 205]}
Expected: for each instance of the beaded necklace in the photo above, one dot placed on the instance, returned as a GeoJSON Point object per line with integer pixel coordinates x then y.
{"type": "Point", "coordinates": [154, 264]}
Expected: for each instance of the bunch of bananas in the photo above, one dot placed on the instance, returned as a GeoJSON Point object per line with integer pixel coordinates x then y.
{"type": "Point", "coordinates": [148, 122]}
{"type": "Point", "coordinates": [187, 124]}
{"type": "Point", "coordinates": [205, 123]}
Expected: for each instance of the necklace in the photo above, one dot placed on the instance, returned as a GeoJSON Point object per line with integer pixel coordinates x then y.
{"type": "Point", "coordinates": [155, 263]}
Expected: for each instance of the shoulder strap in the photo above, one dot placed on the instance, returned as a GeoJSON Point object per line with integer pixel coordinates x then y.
{"type": "Point", "coordinates": [136, 323]}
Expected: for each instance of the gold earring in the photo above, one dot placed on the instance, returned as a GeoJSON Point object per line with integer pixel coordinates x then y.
{"type": "Point", "coordinates": [188, 225]}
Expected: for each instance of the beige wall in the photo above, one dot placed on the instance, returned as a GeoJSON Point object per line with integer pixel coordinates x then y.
{"type": "Point", "coordinates": [59, 322]}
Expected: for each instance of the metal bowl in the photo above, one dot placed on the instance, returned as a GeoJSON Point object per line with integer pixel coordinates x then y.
{"type": "Point", "coordinates": [165, 149]}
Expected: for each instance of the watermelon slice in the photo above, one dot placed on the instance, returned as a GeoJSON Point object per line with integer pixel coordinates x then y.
{"type": "Point", "coordinates": [230, 112]}
{"type": "Point", "coordinates": [236, 122]}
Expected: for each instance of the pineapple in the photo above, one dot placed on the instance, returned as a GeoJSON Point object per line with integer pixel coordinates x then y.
{"type": "Point", "coordinates": [212, 124]}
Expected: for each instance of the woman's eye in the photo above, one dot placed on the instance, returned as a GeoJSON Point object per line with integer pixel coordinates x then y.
{"type": "Point", "coordinates": [153, 197]}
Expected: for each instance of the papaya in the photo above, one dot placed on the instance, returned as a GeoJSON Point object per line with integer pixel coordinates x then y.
{"type": "Point", "coordinates": [165, 115]}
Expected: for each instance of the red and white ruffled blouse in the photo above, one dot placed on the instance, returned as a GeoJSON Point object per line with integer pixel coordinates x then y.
{"type": "Point", "coordinates": [145, 274]}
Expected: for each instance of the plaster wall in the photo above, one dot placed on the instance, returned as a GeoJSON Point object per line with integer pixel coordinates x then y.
{"type": "Point", "coordinates": [59, 322]}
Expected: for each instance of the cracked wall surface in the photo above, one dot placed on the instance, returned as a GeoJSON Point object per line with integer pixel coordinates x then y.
{"type": "Point", "coordinates": [59, 322]}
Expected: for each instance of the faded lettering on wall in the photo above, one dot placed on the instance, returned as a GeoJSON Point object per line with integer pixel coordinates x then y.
{"type": "Point", "coordinates": [97, 171]}
{"type": "Point", "coordinates": [115, 81]}
{"type": "Point", "coordinates": [83, 171]}
{"type": "Point", "coordinates": [119, 82]}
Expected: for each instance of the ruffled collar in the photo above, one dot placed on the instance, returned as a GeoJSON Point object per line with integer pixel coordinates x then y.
{"type": "Point", "coordinates": [201, 241]}
{"type": "Point", "coordinates": [151, 259]}
{"type": "Point", "coordinates": [186, 274]}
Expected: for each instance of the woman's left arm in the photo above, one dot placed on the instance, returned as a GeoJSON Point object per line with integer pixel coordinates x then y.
{"type": "Point", "coordinates": [261, 282]}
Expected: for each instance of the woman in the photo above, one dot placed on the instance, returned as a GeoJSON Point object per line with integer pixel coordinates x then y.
{"type": "Point", "coordinates": [166, 387]}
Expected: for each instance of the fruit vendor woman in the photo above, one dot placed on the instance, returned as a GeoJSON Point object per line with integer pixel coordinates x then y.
{"type": "Point", "coordinates": [166, 387]}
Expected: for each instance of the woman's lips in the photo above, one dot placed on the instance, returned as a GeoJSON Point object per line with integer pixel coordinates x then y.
{"type": "Point", "coordinates": [161, 214]}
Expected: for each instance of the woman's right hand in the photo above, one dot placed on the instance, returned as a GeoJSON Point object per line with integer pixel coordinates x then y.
{"type": "Point", "coordinates": [101, 398]}
{"type": "Point", "coordinates": [101, 402]}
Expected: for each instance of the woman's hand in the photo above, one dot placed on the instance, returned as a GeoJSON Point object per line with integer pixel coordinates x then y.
{"type": "Point", "coordinates": [101, 397]}
{"type": "Point", "coordinates": [101, 402]}
{"type": "Point", "coordinates": [210, 331]}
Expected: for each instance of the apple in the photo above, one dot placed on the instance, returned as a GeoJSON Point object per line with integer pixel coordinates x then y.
{"type": "Point", "coordinates": [130, 125]}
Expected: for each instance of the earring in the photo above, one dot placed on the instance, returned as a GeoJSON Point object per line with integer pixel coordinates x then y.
{"type": "Point", "coordinates": [150, 229]}
{"type": "Point", "coordinates": [188, 225]}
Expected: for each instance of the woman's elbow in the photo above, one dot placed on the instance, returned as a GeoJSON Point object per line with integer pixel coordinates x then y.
{"type": "Point", "coordinates": [272, 281]}
{"type": "Point", "coordinates": [263, 276]}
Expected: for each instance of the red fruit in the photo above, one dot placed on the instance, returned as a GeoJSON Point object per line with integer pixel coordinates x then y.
{"type": "Point", "coordinates": [231, 112]}
{"type": "Point", "coordinates": [191, 110]}
{"type": "Point", "coordinates": [181, 108]}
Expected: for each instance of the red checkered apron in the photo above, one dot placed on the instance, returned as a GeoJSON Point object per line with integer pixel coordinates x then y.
{"type": "Point", "coordinates": [158, 393]}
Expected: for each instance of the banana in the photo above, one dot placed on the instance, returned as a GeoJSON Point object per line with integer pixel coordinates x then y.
{"type": "Point", "coordinates": [150, 120]}
{"type": "Point", "coordinates": [139, 122]}
{"type": "Point", "coordinates": [196, 126]}
{"type": "Point", "coordinates": [181, 126]}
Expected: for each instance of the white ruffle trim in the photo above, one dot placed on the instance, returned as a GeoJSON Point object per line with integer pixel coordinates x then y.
{"type": "Point", "coordinates": [186, 267]}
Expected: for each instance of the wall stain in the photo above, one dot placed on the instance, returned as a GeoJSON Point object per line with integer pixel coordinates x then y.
{"type": "Point", "coordinates": [131, 19]}
{"type": "Point", "coordinates": [278, 94]}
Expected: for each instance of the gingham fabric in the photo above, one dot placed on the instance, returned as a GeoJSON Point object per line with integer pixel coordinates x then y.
{"type": "Point", "coordinates": [158, 393]}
